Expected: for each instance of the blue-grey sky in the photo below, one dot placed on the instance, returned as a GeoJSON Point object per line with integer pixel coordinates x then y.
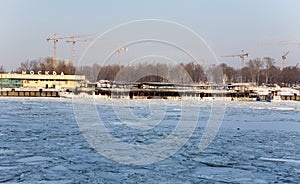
{"type": "Point", "coordinates": [228, 26]}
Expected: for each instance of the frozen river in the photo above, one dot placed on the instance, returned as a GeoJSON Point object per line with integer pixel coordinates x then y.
{"type": "Point", "coordinates": [41, 142]}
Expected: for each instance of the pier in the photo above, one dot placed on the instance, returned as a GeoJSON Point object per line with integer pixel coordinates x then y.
{"type": "Point", "coordinates": [29, 93]}
{"type": "Point", "coordinates": [155, 90]}
{"type": "Point", "coordinates": [158, 90]}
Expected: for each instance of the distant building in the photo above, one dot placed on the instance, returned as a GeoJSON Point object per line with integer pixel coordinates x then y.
{"type": "Point", "coordinates": [40, 81]}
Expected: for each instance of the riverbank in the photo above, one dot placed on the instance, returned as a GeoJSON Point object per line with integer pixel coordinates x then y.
{"type": "Point", "coordinates": [154, 90]}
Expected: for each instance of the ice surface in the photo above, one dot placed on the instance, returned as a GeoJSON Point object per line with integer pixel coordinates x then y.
{"type": "Point", "coordinates": [40, 142]}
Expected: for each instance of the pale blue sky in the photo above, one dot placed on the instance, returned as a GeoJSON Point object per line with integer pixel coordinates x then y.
{"type": "Point", "coordinates": [227, 25]}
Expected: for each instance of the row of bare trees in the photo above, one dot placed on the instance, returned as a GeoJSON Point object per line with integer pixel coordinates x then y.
{"type": "Point", "coordinates": [264, 71]}
{"type": "Point", "coordinates": [157, 72]}
{"type": "Point", "coordinates": [46, 64]}
{"type": "Point", "coordinates": [259, 71]}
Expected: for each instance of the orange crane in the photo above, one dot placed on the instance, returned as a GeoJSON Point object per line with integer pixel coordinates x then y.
{"type": "Point", "coordinates": [283, 57]}
{"type": "Point", "coordinates": [55, 40]}
{"type": "Point", "coordinates": [119, 49]}
{"type": "Point", "coordinates": [73, 41]}
{"type": "Point", "coordinates": [242, 55]}
{"type": "Point", "coordinates": [285, 43]}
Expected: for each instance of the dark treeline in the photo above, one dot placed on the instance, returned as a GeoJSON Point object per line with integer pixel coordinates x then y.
{"type": "Point", "coordinates": [183, 73]}
{"type": "Point", "coordinates": [46, 64]}
{"type": "Point", "coordinates": [259, 71]}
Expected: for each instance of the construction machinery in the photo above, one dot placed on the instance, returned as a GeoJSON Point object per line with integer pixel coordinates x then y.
{"type": "Point", "coordinates": [55, 40]}
{"type": "Point", "coordinates": [73, 41]}
{"type": "Point", "coordinates": [283, 57]}
{"type": "Point", "coordinates": [242, 56]}
{"type": "Point", "coordinates": [119, 50]}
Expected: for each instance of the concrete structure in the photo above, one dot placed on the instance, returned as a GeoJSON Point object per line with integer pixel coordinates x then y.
{"type": "Point", "coordinates": [40, 81]}
{"type": "Point", "coordinates": [28, 92]}
{"type": "Point", "coordinates": [158, 90]}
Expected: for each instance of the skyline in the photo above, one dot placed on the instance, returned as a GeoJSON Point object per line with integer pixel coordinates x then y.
{"type": "Point", "coordinates": [228, 27]}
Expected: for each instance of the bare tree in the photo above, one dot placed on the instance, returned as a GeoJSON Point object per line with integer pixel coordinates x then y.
{"type": "Point", "coordinates": [24, 66]}
{"type": "Point", "coordinates": [108, 72]}
{"type": "Point", "coordinates": [2, 70]}
{"type": "Point", "coordinates": [254, 67]}
{"type": "Point", "coordinates": [195, 71]}
{"type": "Point", "coordinates": [257, 70]}
{"type": "Point", "coordinates": [48, 64]}
{"type": "Point", "coordinates": [229, 72]}
{"type": "Point", "coordinates": [269, 63]}
{"type": "Point", "coordinates": [290, 75]}
{"type": "Point", "coordinates": [247, 77]}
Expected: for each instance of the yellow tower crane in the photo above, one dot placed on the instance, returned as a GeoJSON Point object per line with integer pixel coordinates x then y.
{"type": "Point", "coordinates": [55, 40]}
{"type": "Point", "coordinates": [118, 49]}
{"type": "Point", "coordinates": [73, 41]}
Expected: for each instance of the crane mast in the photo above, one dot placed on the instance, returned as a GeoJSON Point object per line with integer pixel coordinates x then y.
{"type": "Point", "coordinates": [73, 41]}
{"type": "Point", "coordinates": [55, 40]}
{"type": "Point", "coordinates": [242, 56]}
{"type": "Point", "coordinates": [119, 49]}
{"type": "Point", "coordinates": [283, 57]}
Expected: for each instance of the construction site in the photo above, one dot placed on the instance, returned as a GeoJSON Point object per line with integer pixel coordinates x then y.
{"type": "Point", "coordinates": [257, 79]}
